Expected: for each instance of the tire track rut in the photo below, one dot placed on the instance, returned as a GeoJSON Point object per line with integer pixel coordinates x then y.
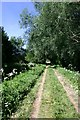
{"type": "Point", "coordinates": [75, 100]}
{"type": "Point", "coordinates": [37, 102]}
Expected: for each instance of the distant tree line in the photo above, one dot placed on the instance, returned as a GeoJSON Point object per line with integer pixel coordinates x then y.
{"type": "Point", "coordinates": [54, 33]}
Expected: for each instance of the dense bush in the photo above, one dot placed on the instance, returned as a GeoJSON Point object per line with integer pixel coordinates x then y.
{"type": "Point", "coordinates": [19, 68]}
{"type": "Point", "coordinates": [16, 89]}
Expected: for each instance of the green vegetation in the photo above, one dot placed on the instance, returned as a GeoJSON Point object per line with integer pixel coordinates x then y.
{"type": "Point", "coordinates": [54, 33]}
{"type": "Point", "coordinates": [14, 90]}
{"type": "Point", "coordinates": [72, 77]}
{"type": "Point", "coordinates": [25, 107]}
{"type": "Point", "coordinates": [13, 53]}
{"type": "Point", "coordinates": [55, 103]}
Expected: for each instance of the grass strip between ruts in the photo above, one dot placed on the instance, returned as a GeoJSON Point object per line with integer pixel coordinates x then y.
{"type": "Point", "coordinates": [55, 103]}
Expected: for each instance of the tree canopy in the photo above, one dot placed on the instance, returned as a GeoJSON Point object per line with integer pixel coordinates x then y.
{"type": "Point", "coordinates": [54, 33]}
{"type": "Point", "coordinates": [12, 51]}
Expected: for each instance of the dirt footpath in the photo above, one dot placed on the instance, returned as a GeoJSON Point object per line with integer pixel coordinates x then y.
{"type": "Point", "coordinates": [75, 100]}
{"type": "Point", "coordinates": [37, 102]}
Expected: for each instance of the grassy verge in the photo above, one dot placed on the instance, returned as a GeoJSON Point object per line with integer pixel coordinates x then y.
{"type": "Point", "coordinates": [72, 77]}
{"type": "Point", "coordinates": [55, 103]}
{"type": "Point", "coordinates": [14, 90]}
{"type": "Point", "coordinates": [25, 107]}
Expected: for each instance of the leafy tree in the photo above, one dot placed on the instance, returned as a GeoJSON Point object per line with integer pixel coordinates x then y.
{"type": "Point", "coordinates": [6, 49]}
{"type": "Point", "coordinates": [12, 52]}
{"type": "Point", "coordinates": [18, 51]}
{"type": "Point", "coordinates": [54, 33]}
{"type": "Point", "coordinates": [0, 47]}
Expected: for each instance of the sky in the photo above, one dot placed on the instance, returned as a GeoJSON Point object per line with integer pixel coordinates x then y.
{"type": "Point", "coordinates": [11, 15]}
